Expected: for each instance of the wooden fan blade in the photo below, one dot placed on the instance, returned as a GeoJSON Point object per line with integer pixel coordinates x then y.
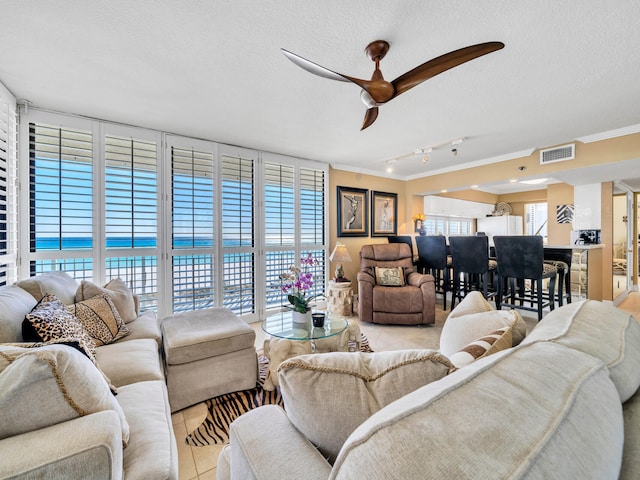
{"type": "Point", "coordinates": [441, 64]}
{"type": "Point", "coordinates": [369, 117]}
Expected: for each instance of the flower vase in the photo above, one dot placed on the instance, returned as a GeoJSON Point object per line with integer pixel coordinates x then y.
{"type": "Point", "coordinates": [301, 318]}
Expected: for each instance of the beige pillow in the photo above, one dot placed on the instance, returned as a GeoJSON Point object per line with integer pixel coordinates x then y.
{"type": "Point", "coordinates": [494, 342]}
{"type": "Point", "coordinates": [473, 302]}
{"type": "Point", "coordinates": [60, 284]}
{"type": "Point", "coordinates": [457, 332]}
{"type": "Point", "coordinates": [48, 385]}
{"type": "Point", "coordinates": [117, 290]}
{"type": "Point", "coordinates": [100, 319]}
{"type": "Point", "coordinates": [328, 395]}
{"type": "Point", "coordinates": [390, 277]}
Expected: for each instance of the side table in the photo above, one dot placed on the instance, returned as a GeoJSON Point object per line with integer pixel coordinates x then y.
{"type": "Point", "coordinates": [340, 298]}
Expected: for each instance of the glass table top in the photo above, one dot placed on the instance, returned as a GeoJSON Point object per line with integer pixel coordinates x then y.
{"type": "Point", "coordinates": [282, 325]}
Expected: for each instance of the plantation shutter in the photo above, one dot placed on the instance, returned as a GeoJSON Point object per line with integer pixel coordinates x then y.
{"type": "Point", "coordinates": [61, 200]}
{"type": "Point", "coordinates": [130, 193]}
{"type": "Point", "coordinates": [279, 204]}
{"type": "Point", "coordinates": [192, 217]}
{"type": "Point", "coordinates": [312, 223]}
{"type": "Point", "coordinates": [8, 193]}
{"type": "Point", "coordinates": [280, 228]}
{"type": "Point", "coordinates": [131, 215]}
{"type": "Point", "coordinates": [238, 263]}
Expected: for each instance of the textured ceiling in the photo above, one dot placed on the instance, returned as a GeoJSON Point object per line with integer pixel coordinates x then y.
{"type": "Point", "coordinates": [214, 70]}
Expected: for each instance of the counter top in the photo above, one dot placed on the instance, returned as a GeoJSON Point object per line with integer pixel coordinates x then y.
{"type": "Point", "coordinates": [577, 247]}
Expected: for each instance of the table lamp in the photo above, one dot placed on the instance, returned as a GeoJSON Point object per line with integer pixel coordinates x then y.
{"type": "Point", "coordinates": [341, 255]}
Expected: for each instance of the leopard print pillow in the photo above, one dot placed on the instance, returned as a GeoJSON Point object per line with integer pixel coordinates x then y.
{"type": "Point", "coordinates": [50, 321]}
{"type": "Point", "coordinates": [100, 319]}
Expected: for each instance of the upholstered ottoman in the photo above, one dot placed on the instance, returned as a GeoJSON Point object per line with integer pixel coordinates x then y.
{"type": "Point", "coordinates": [207, 353]}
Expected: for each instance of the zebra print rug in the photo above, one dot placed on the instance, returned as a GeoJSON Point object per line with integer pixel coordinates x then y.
{"type": "Point", "coordinates": [224, 409]}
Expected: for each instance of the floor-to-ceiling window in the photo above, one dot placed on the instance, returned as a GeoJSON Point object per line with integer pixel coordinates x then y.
{"type": "Point", "coordinates": [188, 224]}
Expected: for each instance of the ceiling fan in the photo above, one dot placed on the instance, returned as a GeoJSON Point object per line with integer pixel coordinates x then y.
{"type": "Point", "coordinates": [377, 91]}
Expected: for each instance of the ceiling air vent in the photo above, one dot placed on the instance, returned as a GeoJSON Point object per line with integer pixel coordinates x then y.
{"type": "Point", "coordinates": [558, 154]}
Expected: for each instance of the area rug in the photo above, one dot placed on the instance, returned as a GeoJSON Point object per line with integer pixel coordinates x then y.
{"type": "Point", "coordinates": [224, 409]}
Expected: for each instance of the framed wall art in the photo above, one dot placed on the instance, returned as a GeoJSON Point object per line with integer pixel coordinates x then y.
{"type": "Point", "coordinates": [353, 212]}
{"type": "Point", "coordinates": [384, 214]}
{"type": "Point", "coordinates": [564, 213]}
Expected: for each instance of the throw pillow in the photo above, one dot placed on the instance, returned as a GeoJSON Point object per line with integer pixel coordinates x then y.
{"type": "Point", "coordinates": [48, 385]}
{"type": "Point", "coordinates": [100, 319]}
{"type": "Point", "coordinates": [457, 332]}
{"type": "Point", "coordinates": [501, 339]}
{"type": "Point", "coordinates": [390, 277]}
{"type": "Point", "coordinates": [473, 302]}
{"type": "Point", "coordinates": [316, 387]}
{"type": "Point", "coordinates": [117, 290]}
{"type": "Point", "coordinates": [51, 321]}
{"type": "Point", "coordinates": [61, 284]}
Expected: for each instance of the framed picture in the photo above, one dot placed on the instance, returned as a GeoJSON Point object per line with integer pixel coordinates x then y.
{"type": "Point", "coordinates": [384, 214]}
{"type": "Point", "coordinates": [564, 213]}
{"type": "Point", "coordinates": [353, 212]}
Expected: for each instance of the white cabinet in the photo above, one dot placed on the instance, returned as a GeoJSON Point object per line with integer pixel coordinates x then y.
{"type": "Point", "coordinates": [503, 225]}
{"type": "Point", "coordinates": [454, 207]}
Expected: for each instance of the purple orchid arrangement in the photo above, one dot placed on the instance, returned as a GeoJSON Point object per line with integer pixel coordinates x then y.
{"type": "Point", "coordinates": [298, 281]}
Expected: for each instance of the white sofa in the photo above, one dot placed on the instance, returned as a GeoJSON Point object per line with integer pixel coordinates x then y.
{"type": "Point", "coordinates": [562, 404]}
{"type": "Point", "coordinates": [70, 425]}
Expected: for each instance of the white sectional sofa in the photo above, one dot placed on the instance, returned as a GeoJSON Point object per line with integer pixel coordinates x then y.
{"type": "Point", "coordinates": [562, 404]}
{"type": "Point", "coordinates": [58, 417]}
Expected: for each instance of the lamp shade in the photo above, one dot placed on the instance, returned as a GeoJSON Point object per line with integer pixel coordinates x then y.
{"type": "Point", "coordinates": [340, 254]}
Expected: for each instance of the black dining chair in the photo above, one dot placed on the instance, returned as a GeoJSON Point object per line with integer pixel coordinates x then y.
{"type": "Point", "coordinates": [471, 266]}
{"type": "Point", "coordinates": [433, 258]}
{"type": "Point", "coordinates": [402, 239]}
{"type": "Point", "coordinates": [521, 270]}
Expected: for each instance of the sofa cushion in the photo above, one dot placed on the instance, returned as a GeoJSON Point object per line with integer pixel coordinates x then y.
{"type": "Point", "coordinates": [567, 422]}
{"type": "Point", "coordinates": [48, 385]}
{"type": "Point", "coordinates": [152, 451]}
{"type": "Point", "coordinates": [100, 319]}
{"type": "Point", "coordinates": [326, 396]}
{"type": "Point", "coordinates": [390, 276]}
{"type": "Point", "coordinates": [145, 326]}
{"type": "Point", "coordinates": [61, 284]}
{"type": "Point", "coordinates": [117, 290]}
{"type": "Point", "coordinates": [51, 321]}
{"type": "Point", "coordinates": [15, 303]}
{"type": "Point", "coordinates": [130, 362]}
{"type": "Point", "coordinates": [601, 330]}
{"type": "Point", "coordinates": [494, 342]}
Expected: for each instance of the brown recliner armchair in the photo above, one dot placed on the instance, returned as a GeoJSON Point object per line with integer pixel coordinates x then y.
{"type": "Point", "coordinates": [412, 304]}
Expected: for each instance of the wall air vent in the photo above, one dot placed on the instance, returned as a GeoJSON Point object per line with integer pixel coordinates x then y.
{"type": "Point", "coordinates": [558, 154]}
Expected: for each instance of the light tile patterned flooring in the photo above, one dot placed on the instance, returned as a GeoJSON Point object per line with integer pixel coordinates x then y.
{"type": "Point", "coordinates": [199, 463]}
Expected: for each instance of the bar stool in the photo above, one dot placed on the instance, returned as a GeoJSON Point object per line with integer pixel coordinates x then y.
{"type": "Point", "coordinates": [433, 258]}
{"type": "Point", "coordinates": [402, 239]}
{"type": "Point", "coordinates": [521, 262]}
{"type": "Point", "coordinates": [471, 266]}
{"type": "Point", "coordinates": [561, 259]}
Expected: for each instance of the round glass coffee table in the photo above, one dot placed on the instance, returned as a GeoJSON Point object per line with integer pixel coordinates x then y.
{"type": "Point", "coordinates": [281, 325]}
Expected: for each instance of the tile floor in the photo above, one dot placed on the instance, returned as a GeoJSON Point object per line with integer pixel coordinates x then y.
{"type": "Point", "coordinates": [199, 463]}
